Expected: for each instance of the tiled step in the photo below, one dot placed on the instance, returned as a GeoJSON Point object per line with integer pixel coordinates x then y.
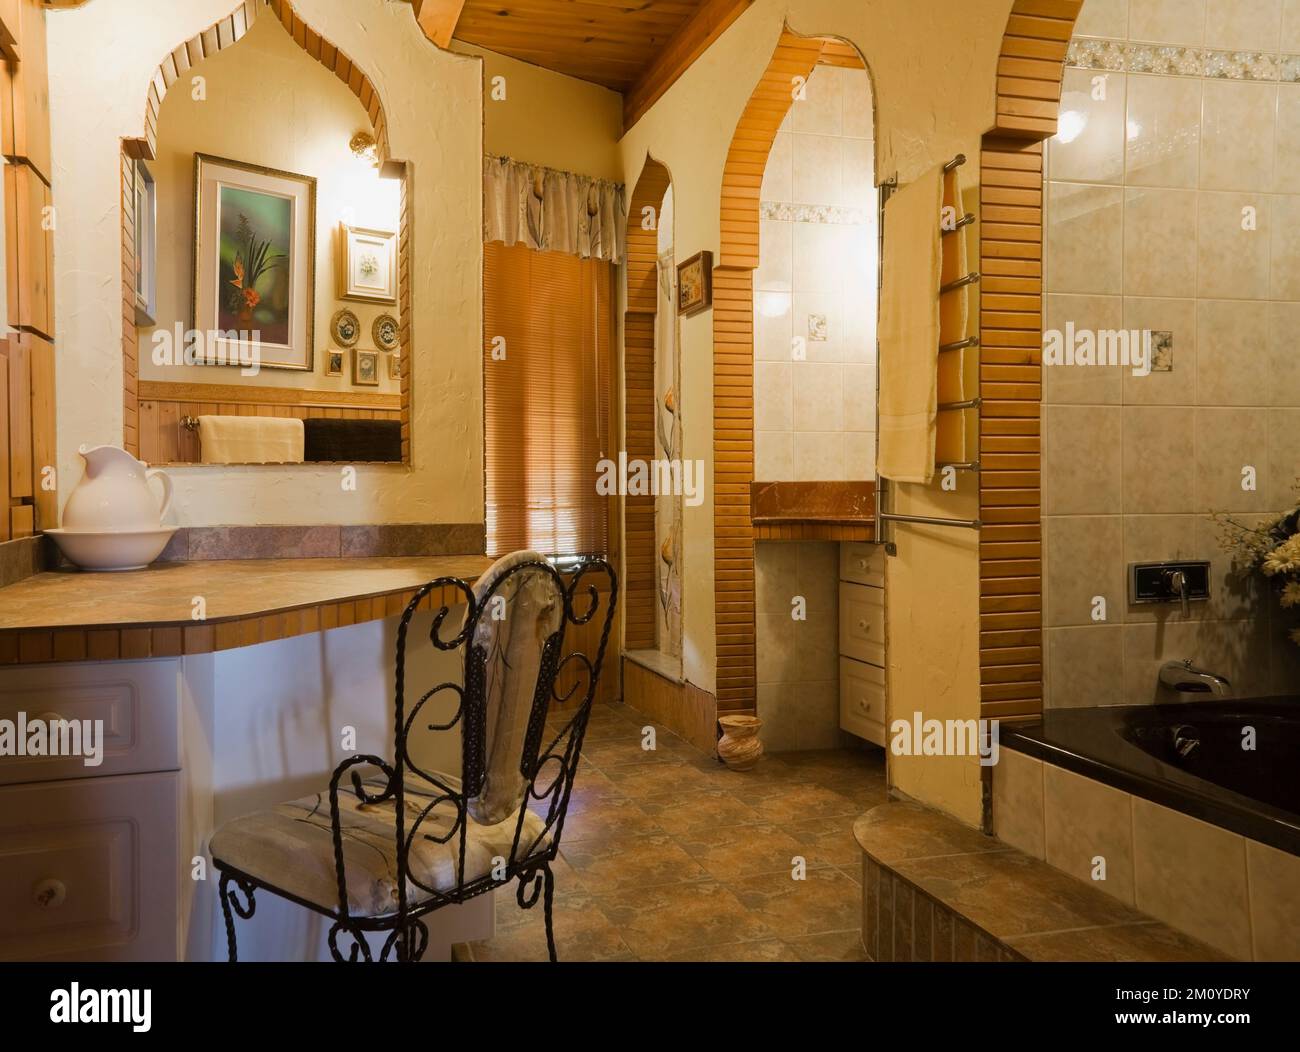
{"type": "Point", "coordinates": [936, 890]}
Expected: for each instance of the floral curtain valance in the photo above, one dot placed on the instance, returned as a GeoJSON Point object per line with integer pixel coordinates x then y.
{"type": "Point", "coordinates": [552, 211]}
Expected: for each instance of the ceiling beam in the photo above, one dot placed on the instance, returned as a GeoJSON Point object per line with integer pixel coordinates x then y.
{"type": "Point", "coordinates": [708, 23]}
{"type": "Point", "coordinates": [438, 18]}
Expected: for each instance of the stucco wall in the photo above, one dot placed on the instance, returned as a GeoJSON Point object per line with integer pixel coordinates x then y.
{"type": "Point", "coordinates": [933, 69]}
{"type": "Point", "coordinates": [103, 56]}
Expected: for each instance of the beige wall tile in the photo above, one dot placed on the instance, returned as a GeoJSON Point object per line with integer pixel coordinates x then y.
{"type": "Point", "coordinates": [773, 403]}
{"type": "Point", "coordinates": [1192, 875]}
{"type": "Point", "coordinates": [1238, 127]}
{"type": "Point", "coordinates": [1159, 460]}
{"type": "Point", "coordinates": [1283, 457]}
{"type": "Point", "coordinates": [859, 384]}
{"type": "Point", "coordinates": [1233, 261]}
{"type": "Point", "coordinates": [1232, 596]}
{"type": "Point", "coordinates": [1286, 164]}
{"type": "Point", "coordinates": [818, 169]}
{"type": "Point", "coordinates": [818, 396]}
{"type": "Point", "coordinates": [1290, 39]}
{"type": "Point", "coordinates": [1227, 442]}
{"type": "Point", "coordinates": [773, 326]}
{"type": "Point", "coordinates": [1085, 238]}
{"type": "Point", "coordinates": [830, 306]}
{"type": "Point", "coordinates": [1086, 820]}
{"type": "Point", "coordinates": [1081, 384]}
{"type": "Point", "coordinates": [1167, 21]}
{"type": "Point", "coordinates": [820, 110]}
{"type": "Point", "coordinates": [1018, 801]}
{"type": "Point", "coordinates": [819, 456]}
{"type": "Point", "coordinates": [1085, 666]}
{"type": "Point", "coordinates": [1085, 557]}
{"type": "Point", "coordinates": [1159, 242]}
{"type": "Point", "coordinates": [1283, 388]}
{"type": "Point", "coordinates": [1284, 256]}
{"type": "Point", "coordinates": [777, 657]}
{"type": "Point", "coordinates": [778, 174]}
{"type": "Point", "coordinates": [1163, 131]}
{"type": "Point", "coordinates": [860, 455]}
{"type": "Point", "coordinates": [1231, 352]}
{"type": "Point", "coordinates": [857, 103]}
{"type": "Point", "coordinates": [775, 271]}
{"type": "Point", "coordinates": [1177, 386]}
{"type": "Point", "coordinates": [1095, 153]}
{"type": "Point", "coordinates": [1155, 539]}
{"type": "Point", "coordinates": [1082, 469]}
{"type": "Point", "coordinates": [776, 577]}
{"type": "Point", "coordinates": [774, 456]}
{"type": "Point", "coordinates": [780, 729]}
{"type": "Point", "coordinates": [819, 574]}
{"type": "Point", "coordinates": [818, 262]}
{"type": "Point", "coordinates": [1274, 878]}
{"type": "Point", "coordinates": [1243, 25]}
{"type": "Point", "coordinates": [1236, 650]}
{"type": "Point", "coordinates": [1103, 18]}
{"type": "Point", "coordinates": [817, 657]}
{"type": "Point", "coordinates": [858, 171]}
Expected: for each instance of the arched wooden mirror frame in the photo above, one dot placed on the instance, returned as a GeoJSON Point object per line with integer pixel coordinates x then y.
{"type": "Point", "coordinates": [188, 54]}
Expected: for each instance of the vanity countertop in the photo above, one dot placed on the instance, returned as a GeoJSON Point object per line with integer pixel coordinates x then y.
{"type": "Point", "coordinates": [68, 615]}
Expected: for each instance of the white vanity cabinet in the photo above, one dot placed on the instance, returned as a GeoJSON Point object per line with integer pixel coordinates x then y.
{"type": "Point", "coordinates": [89, 866]}
{"type": "Point", "coordinates": [862, 640]}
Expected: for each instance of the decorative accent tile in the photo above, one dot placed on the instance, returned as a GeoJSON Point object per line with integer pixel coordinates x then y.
{"type": "Point", "coordinates": [1178, 61]}
{"type": "Point", "coordinates": [796, 213]}
{"type": "Point", "coordinates": [1089, 53]}
{"type": "Point", "coordinates": [1167, 60]}
{"type": "Point", "coordinates": [817, 328]}
{"type": "Point", "coordinates": [1240, 65]}
{"type": "Point", "coordinates": [1162, 352]}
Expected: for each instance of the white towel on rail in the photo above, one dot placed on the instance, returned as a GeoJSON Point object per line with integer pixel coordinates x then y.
{"type": "Point", "coordinates": [909, 330]}
{"type": "Point", "coordinates": [250, 440]}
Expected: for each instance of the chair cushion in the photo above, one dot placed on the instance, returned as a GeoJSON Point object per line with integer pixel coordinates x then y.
{"type": "Point", "coordinates": [290, 847]}
{"type": "Point", "coordinates": [533, 612]}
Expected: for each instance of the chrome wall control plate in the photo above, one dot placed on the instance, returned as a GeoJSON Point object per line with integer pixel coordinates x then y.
{"type": "Point", "coordinates": [1151, 582]}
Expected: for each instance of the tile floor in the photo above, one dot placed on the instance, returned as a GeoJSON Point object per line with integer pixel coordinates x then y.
{"type": "Point", "coordinates": [669, 856]}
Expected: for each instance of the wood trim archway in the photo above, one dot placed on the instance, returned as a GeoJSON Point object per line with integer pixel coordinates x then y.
{"type": "Point", "coordinates": [639, 565]}
{"type": "Point", "coordinates": [733, 367]}
{"type": "Point", "coordinates": [217, 37]}
{"type": "Point", "coordinates": [1030, 70]}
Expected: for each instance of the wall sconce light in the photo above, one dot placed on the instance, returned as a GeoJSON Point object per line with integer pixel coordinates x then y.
{"type": "Point", "coordinates": [365, 148]}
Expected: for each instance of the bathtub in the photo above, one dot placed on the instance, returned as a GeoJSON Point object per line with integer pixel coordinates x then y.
{"type": "Point", "coordinates": [1187, 757]}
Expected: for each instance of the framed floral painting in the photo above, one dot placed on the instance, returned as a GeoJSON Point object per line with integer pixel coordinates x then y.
{"type": "Point", "coordinates": [695, 284]}
{"type": "Point", "coordinates": [254, 264]}
{"type": "Point", "coordinates": [367, 265]}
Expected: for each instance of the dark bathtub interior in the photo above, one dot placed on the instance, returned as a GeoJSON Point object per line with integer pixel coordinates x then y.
{"type": "Point", "coordinates": [1188, 756]}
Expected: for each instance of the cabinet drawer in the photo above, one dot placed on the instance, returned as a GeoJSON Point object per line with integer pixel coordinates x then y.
{"type": "Point", "coordinates": [138, 702]}
{"type": "Point", "coordinates": [862, 700]}
{"type": "Point", "coordinates": [89, 869]}
{"type": "Point", "coordinates": [862, 623]}
{"type": "Point", "coordinates": [863, 563]}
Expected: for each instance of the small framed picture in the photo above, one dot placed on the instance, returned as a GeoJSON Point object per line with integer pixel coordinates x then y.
{"type": "Point", "coordinates": [367, 265]}
{"type": "Point", "coordinates": [333, 362]}
{"type": "Point", "coordinates": [695, 284]}
{"type": "Point", "coordinates": [365, 368]}
{"type": "Point", "coordinates": [394, 366]}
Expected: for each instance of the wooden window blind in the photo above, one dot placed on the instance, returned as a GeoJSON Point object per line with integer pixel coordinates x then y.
{"type": "Point", "coordinates": [546, 402]}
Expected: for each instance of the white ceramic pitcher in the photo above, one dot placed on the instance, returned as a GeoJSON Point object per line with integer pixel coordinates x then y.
{"type": "Point", "coordinates": [114, 494]}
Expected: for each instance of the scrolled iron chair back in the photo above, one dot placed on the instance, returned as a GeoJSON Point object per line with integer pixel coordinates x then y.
{"type": "Point", "coordinates": [546, 768]}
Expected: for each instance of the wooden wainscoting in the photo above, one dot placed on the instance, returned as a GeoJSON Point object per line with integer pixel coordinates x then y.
{"type": "Point", "coordinates": [683, 708]}
{"type": "Point", "coordinates": [163, 439]}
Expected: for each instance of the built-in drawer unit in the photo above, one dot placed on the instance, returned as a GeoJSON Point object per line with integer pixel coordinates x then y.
{"type": "Point", "coordinates": [862, 622]}
{"type": "Point", "coordinates": [862, 563]}
{"type": "Point", "coordinates": [862, 700]}
{"type": "Point", "coordinates": [89, 869]}
{"type": "Point", "coordinates": [137, 703]}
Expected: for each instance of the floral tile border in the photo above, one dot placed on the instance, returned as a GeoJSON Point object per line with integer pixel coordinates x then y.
{"type": "Point", "coordinates": [795, 213]}
{"type": "Point", "coordinates": [1123, 56]}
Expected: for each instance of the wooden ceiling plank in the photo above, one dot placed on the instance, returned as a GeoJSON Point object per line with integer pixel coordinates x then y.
{"type": "Point", "coordinates": [709, 22]}
{"type": "Point", "coordinates": [438, 18]}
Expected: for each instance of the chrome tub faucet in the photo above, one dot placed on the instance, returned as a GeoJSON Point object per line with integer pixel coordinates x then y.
{"type": "Point", "coordinates": [1186, 678]}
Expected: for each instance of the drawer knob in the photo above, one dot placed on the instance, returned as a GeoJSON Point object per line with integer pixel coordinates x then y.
{"type": "Point", "coordinates": [49, 894]}
{"type": "Point", "coordinates": [862, 625]}
{"type": "Point", "coordinates": [862, 564]}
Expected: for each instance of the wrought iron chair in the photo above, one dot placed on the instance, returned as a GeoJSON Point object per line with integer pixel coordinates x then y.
{"type": "Point", "coordinates": [396, 846]}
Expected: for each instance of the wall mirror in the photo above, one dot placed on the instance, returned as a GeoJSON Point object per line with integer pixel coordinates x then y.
{"type": "Point", "coordinates": [268, 251]}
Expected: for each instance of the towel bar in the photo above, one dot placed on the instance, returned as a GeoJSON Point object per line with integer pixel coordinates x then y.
{"type": "Point", "coordinates": [965, 220]}
{"type": "Point", "coordinates": [970, 465]}
{"type": "Point", "coordinates": [930, 520]}
{"type": "Point", "coordinates": [956, 162]}
{"type": "Point", "coordinates": [960, 283]}
{"type": "Point", "coordinates": [944, 407]}
{"type": "Point", "coordinates": [970, 341]}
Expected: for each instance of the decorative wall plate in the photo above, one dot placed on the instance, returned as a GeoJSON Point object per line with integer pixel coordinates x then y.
{"type": "Point", "coordinates": [346, 328]}
{"type": "Point", "coordinates": [386, 333]}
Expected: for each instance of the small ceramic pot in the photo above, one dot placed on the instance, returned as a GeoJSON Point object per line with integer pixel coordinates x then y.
{"type": "Point", "coordinates": [739, 747]}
